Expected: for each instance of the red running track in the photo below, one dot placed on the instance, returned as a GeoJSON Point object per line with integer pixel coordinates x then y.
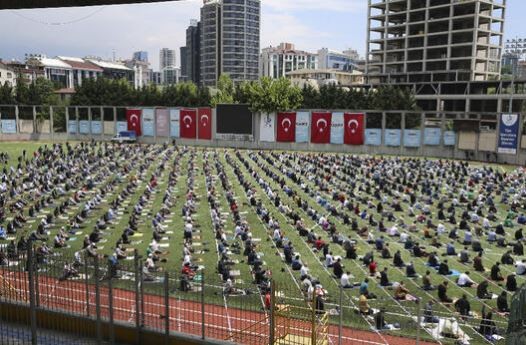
{"type": "Point", "coordinates": [221, 322]}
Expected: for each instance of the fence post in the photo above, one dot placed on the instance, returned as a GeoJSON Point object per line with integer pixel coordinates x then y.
{"type": "Point", "coordinates": [314, 309]}
{"type": "Point", "coordinates": [32, 306]}
{"type": "Point", "coordinates": [203, 324]}
{"type": "Point", "coordinates": [110, 304]}
{"type": "Point", "coordinates": [97, 299]}
{"type": "Point", "coordinates": [137, 296]}
{"type": "Point", "coordinates": [271, 312]}
{"type": "Point", "coordinates": [418, 314]}
{"type": "Point", "coordinates": [166, 307]}
{"type": "Point", "coordinates": [340, 325]}
{"type": "Point", "coordinates": [86, 281]}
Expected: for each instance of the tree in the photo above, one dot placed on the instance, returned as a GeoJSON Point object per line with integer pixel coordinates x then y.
{"type": "Point", "coordinates": [310, 96]}
{"type": "Point", "coordinates": [271, 95]}
{"type": "Point", "coordinates": [225, 91]}
{"type": "Point", "coordinates": [7, 95]}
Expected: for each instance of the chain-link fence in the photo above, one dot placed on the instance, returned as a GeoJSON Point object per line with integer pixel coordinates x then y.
{"type": "Point", "coordinates": [52, 299]}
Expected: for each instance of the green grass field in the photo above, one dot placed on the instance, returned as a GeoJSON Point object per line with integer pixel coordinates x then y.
{"type": "Point", "coordinates": [286, 279]}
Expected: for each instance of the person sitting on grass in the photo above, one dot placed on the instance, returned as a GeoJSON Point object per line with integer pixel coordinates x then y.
{"type": "Point", "coordinates": [410, 270]}
{"type": "Point", "coordinates": [477, 263]}
{"type": "Point", "coordinates": [442, 293]}
{"type": "Point", "coordinates": [511, 282]}
{"type": "Point", "coordinates": [502, 303]}
{"type": "Point", "coordinates": [495, 272]}
{"type": "Point", "coordinates": [464, 280]}
{"type": "Point", "coordinates": [482, 290]}
{"type": "Point", "coordinates": [337, 268]}
{"type": "Point", "coordinates": [401, 292]}
{"type": "Point", "coordinates": [296, 263]}
{"type": "Point", "coordinates": [426, 282]}
{"type": "Point", "coordinates": [443, 268]}
{"type": "Point", "coordinates": [462, 306]}
{"type": "Point", "coordinates": [187, 271]}
{"type": "Point", "coordinates": [363, 305]}
{"type": "Point", "coordinates": [429, 317]}
{"type": "Point", "coordinates": [345, 280]}
{"type": "Point", "coordinates": [384, 279]}
{"type": "Point", "coordinates": [364, 289]}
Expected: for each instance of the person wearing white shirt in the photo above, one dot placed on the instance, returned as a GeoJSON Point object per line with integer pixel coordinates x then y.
{"type": "Point", "coordinates": [464, 280]}
{"type": "Point", "coordinates": [304, 271]}
{"type": "Point", "coordinates": [441, 229]}
{"type": "Point", "coordinates": [344, 280]}
{"type": "Point", "coordinates": [521, 267]}
{"type": "Point", "coordinates": [329, 260]}
{"type": "Point", "coordinates": [485, 223]}
{"type": "Point", "coordinates": [403, 237]}
{"type": "Point", "coordinates": [393, 231]}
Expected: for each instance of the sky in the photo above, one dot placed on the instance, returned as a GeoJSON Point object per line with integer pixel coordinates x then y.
{"type": "Point", "coordinates": [123, 29]}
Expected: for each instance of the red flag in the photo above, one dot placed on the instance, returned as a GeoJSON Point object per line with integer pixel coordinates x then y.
{"type": "Point", "coordinates": [320, 131]}
{"type": "Point", "coordinates": [133, 117]}
{"type": "Point", "coordinates": [354, 131]}
{"type": "Point", "coordinates": [188, 123]}
{"type": "Point", "coordinates": [204, 126]}
{"type": "Point", "coordinates": [286, 128]}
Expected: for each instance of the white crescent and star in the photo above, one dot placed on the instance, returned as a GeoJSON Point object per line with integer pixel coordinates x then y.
{"type": "Point", "coordinates": [286, 128]}
{"type": "Point", "coordinates": [353, 130]}
{"type": "Point", "coordinates": [189, 122]}
{"type": "Point", "coordinates": [204, 120]}
{"type": "Point", "coordinates": [134, 122]}
{"type": "Point", "coordinates": [324, 124]}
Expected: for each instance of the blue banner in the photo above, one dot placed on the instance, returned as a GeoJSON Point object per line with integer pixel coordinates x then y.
{"type": "Point", "coordinates": [121, 126]}
{"type": "Point", "coordinates": [373, 136]}
{"type": "Point", "coordinates": [432, 136]}
{"type": "Point", "coordinates": [392, 137]}
{"type": "Point", "coordinates": [509, 133]}
{"type": "Point", "coordinates": [8, 126]}
{"type": "Point", "coordinates": [337, 128]}
{"type": "Point", "coordinates": [147, 122]}
{"type": "Point", "coordinates": [175, 125]}
{"type": "Point", "coordinates": [72, 127]}
{"type": "Point", "coordinates": [96, 127]}
{"type": "Point", "coordinates": [412, 137]}
{"type": "Point", "coordinates": [84, 127]}
{"type": "Point", "coordinates": [302, 127]}
{"type": "Point", "coordinates": [450, 138]}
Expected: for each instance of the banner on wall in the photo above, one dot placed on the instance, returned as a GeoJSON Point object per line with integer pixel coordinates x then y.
{"type": "Point", "coordinates": [8, 126]}
{"type": "Point", "coordinates": [320, 131]}
{"type": "Point", "coordinates": [162, 122]}
{"type": "Point", "coordinates": [121, 126]}
{"type": "Point", "coordinates": [353, 134]}
{"type": "Point", "coordinates": [133, 119]}
{"type": "Point", "coordinates": [96, 127]}
{"type": "Point", "coordinates": [286, 128]}
{"type": "Point", "coordinates": [267, 127]}
{"type": "Point", "coordinates": [432, 136]}
{"type": "Point", "coordinates": [392, 137]}
{"type": "Point", "coordinates": [187, 123]}
{"type": "Point", "coordinates": [412, 137]}
{"type": "Point", "coordinates": [508, 134]}
{"type": "Point", "coordinates": [450, 138]}
{"type": "Point", "coordinates": [84, 127]}
{"type": "Point", "coordinates": [72, 127]}
{"type": "Point", "coordinates": [204, 128]}
{"type": "Point", "coordinates": [302, 127]}
{"type": "Point", "coordinates": [148, 124]}
{"type": "Point", "coordinates": [373, 136]}
{"type": "Point", "coordinates": [337, 128]}
{"type": "Point", "coordinates": [175, 116]}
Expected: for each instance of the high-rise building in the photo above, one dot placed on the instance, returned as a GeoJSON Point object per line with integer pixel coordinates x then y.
{"type": "Point", "coordinates": [330, 59]}
{"type": "Point", "coordinates": [417, 41]}
{"type": "Point", "coordinates": [276, 62]}
{"type": "Point", "coordinates": [140, 56]}
{"type": "Point", "coordinates": [166, 58]}
{"type": "Point", "coordinates": [184, 71]}
{"type": "Point", "coordinates": [193, 53]}
{"type": "Point", "coordinates": [230, 36]}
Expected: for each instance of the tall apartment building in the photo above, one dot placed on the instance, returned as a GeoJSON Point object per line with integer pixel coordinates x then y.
{"type": "Point", "coordinates": [230, 37]}
{"type": "Point", "coordinates": [276, 62]}
{"type": "Point", "coordinates": [418, 41]}
{"type": "Point", "coordinates": [330, 59]}
{"type": "Point", "coordinates": [192, 52]}
{"type": "Point", "coordinates": [166, 58]}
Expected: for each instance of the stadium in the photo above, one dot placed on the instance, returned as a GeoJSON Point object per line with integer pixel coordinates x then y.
{"type": "Point", "coordinates": [220, 225]}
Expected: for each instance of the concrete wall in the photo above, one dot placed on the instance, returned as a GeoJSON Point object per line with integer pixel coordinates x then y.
{"type": "Point", "coordinates": [470, 145]}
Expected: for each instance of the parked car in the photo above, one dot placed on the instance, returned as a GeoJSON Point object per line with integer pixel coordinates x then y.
{"type": "Point", "coordinates": [125, 137]}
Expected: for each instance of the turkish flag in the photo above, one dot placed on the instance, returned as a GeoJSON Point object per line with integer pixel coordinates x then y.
{"type": "Point", "coordinates": [320, 131]}
{"type": "Point", "coordinates": [188, 123]}
{"type": "Point", "coordinates": [354, 131]}
{"type": "Point", "coordinates": [133, 118]}
{"type": "Point", "coordinates": [204, 125]}
{"type": "Point", "coordinates": [286, 128]}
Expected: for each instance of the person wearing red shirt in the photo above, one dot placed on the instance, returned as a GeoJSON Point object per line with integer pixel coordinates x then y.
{"type": "Point", "coordinates": [372, 268]}
{"type": "Point", "coordinates": [319, 243]}
{"type": "Point", "coordinates": [187, 270]}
